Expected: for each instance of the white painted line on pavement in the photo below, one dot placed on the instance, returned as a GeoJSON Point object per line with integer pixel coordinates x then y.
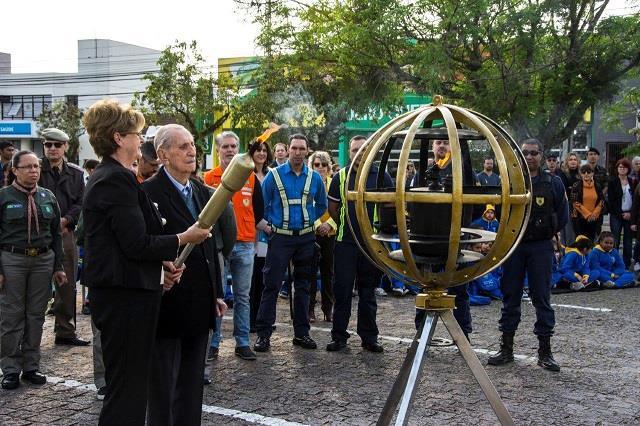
{"type": "Point", "coordinates": [249, 417]}
{"type": "Point", "coordinates": [586, 308]}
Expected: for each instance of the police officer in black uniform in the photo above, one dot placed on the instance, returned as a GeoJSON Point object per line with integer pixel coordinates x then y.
{"type": "Point", "coordinates": [533, 259]}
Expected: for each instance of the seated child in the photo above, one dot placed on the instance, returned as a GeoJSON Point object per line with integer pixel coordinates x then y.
{"type": "Point", "coordinates": [607, 265]}
{"type": "Point", "coordinates": [488, 221]}
{"type": "Point", "coordinates": [475, 286]}
{"type": "Point", "coordinates": [574, 267]}
{"type": "Point", "coordinates": [558, 253]}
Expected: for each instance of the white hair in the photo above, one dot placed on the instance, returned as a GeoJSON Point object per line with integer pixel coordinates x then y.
{"type": "Point", "coordinates": [164, 135]}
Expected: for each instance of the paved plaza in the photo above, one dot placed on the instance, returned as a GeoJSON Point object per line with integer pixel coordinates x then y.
{"type": "Point", "coordinates": [597, 343]}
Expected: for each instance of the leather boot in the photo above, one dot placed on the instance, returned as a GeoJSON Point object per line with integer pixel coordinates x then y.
{"type": "Point", "coordinates": [545, 358]}
{"type": "Point", "coordinates": [505, 355]}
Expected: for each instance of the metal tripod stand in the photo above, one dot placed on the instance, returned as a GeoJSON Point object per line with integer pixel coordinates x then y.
{"type": "Point", "coordinates": [437, 305]}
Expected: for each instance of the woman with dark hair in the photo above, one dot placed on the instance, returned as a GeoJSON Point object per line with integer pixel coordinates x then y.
{"type": "Point", "coordinates": [124, 254]}
{"type": "Point", "coordinates": [31, 244]}
{"type": "Point", "coordinates": [587, 202]}
{"type": "Point", "coordinates": [620, 196]}
{"type": "Point", "coordinates": [262, 157]}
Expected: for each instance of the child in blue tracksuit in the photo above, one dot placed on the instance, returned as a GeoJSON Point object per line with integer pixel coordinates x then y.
{"type": "Point", "coordinates": [574, 267]}
{"type": "Point", "coordinates": [607, 265]}
{"type": "Point", "coordinates": [475, 286]}
{"type": "Point", "coordinates": [488, 221]}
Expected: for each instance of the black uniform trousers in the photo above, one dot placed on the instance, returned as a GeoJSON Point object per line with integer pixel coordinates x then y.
{"type": "Point", "coordinates": [535, 259]}
{"type": "Point", "coordinates": [351, 267]}
{"type": "Point", "coordinates": [127, 320]}
{"type": "Point", "coordinates": [325, 264]}
{"type": "Point", "coordinates": [175, 386]}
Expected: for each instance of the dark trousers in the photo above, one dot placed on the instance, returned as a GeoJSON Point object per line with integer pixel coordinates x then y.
{"type": "Point", "coordinates": [175, 385]}
{"type": "Point", "coordinates": [352, 267]}
{"type": "Point", "coordinates": [325, 264]}
{"type": "Point", "coordinates": [584, 227]}
{"type": "Point", "coordinates": [64, 301]}
{"type": "Point", "coordinates": [283, 249]}
{"type": "Point", "coordinates": [127, 320]}
{"type": "Point", "coordinates": [462, 312]}
{"type": "Point", "coordinates": [533, 258]}
{"type": "Point", "coordinates": [618, 227]}
{"type": "Point", "coordinates": [257, 286]}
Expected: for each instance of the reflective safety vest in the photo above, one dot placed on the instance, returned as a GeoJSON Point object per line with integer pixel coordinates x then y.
{"type": "Point", "coordinates": [307, 226]}
{"type": "Point", "coordinates": [242, 204]}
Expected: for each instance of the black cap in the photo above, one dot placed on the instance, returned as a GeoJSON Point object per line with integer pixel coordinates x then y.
{"type": "Point", "coordinates": [148, 151]}
{"type": "Point", "coordinates": [594, 149]}
{"type": "Point", "coordinates": [5, 144]}
{"type": "Point", "coordinates": [551, 154]}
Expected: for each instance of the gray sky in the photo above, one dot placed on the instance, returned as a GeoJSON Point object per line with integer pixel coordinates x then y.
{"type": "Point", "coordinates": [41, 35]}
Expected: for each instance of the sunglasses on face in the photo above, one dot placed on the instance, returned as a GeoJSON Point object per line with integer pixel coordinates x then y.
{"type": "Point", "coordinates": [531, 153]}
{"type": "Point", "coordinates": [52, 144]}
{"type": "Point", "coordinates": [320, 164]}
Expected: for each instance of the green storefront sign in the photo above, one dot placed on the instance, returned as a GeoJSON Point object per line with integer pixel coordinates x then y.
{"type": "Point", "coordinates": [369, 123]}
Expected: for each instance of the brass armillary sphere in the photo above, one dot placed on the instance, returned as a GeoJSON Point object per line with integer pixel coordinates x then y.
{"type": "Point", "coordinates": [421, 231]}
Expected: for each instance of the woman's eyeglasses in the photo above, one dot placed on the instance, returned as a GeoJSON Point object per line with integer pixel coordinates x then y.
{"type": "Point", "coordinates": [320, 164]}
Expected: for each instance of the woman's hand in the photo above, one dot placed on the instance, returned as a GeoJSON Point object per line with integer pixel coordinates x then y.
{"type": "Point", "coordinates": [60, 278]}
{"type": "Point", "coordinates": [626, 216]}
{"type": "Point", "coordinates": [172, 275]}
{"type": "Point", "coordinates": [221, 308]}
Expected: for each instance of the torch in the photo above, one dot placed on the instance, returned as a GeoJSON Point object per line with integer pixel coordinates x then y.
{"type": "Point", "coordinates": [232, 180]}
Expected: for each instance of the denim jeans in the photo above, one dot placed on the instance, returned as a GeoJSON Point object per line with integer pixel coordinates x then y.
{"type": "Point", "coordinates": [240, 265]}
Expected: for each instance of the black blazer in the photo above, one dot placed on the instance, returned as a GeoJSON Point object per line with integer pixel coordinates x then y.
{"type": "Point", "coordinates": [188, 309]}
{"type": "Point", "coordinates": [123, 245]}
{"type": "Point", "coordinates": [614, 194]}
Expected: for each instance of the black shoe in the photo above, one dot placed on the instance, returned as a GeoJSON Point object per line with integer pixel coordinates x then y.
{"type": "Point", "coordinates": [102, 392]}
{"type": "Point", "coordinates": [245, 353]}
{"type": "Point", "coordinates": [336, 345]}
{"type": "Point", "coordinates": [11, 381]}
{"type": "Point", "coordinates": [85, 309]}
{"type": "Point", "coordinates": [505, 355]}
{"type": "Point", "coordinates": [262, 344]}
{"type": "Point", "coordinates": [545, 358]}
{"type": "Point", "coordinates": [374, 347]}
{"type": "Point", "coordinates": [34, 377]}
{"type": "Point", "coordinates": [212, 353]}
{"type": "Point", "coordinates": [206, 382]}
{"type": "Point", "coordinates": [71, 341]}
{"type": "Point", "coordinates": [305, 342]}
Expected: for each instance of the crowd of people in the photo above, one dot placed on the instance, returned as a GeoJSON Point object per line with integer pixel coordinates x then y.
{"type": "Point", "coordinates": [157, 327]}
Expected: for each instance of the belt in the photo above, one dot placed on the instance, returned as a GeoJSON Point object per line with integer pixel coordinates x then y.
{"type": "Point", "coordinates": [295, 232]}
{"type": "Point", "coordinates": [31, 251]}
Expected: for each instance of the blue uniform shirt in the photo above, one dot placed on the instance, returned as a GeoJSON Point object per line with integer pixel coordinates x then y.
{"type": "Point", "coordinates": [293, 186]}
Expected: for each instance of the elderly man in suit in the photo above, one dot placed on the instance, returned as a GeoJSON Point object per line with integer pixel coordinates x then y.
{"type": "Point", "coordinates": [189, 307]}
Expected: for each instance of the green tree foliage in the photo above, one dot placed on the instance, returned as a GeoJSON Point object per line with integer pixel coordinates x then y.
{"type": "Point", "coordinates": [186, 91]}
{"type": "Point", "coordinates": [534, 65]}
{"type": "Point", "coordinates": [68, 118]}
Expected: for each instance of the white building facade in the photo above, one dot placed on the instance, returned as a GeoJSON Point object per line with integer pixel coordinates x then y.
{"type": "Point", "coordinates": [106, 69]}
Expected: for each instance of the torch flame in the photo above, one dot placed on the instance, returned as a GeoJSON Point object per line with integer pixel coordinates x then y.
{"type": "Point", "coordinates": [273, 127]}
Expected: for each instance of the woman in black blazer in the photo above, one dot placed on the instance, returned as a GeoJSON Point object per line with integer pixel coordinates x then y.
{"type": "Point", "coordinates": [620, 202]}
{"type": "Point", "coordinates": [124, 254]}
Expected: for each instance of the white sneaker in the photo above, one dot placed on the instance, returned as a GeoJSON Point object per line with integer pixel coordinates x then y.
{"type": "Point", "coordinates": [577, 286]}
{"type": "Point", "coordinates": [398, 291]}
{"type": "Point", "coordinates": [609, 284]}
{"type": "Point", "coordinates": [380, 292]}
{"type": "Point", "coordinates": [636, 267]}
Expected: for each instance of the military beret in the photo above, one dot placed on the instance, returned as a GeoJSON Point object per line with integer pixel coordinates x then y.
{"type": "Point", "coordinates": [53, 134]}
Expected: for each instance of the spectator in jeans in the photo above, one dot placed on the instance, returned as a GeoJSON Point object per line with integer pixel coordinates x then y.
{"type": "Point", "coordinates": [248, 207]}
{"type": "Point", "coordinates": [620, 195]}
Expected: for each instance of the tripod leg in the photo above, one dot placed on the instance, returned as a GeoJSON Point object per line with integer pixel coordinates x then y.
{"type": "Point", "coordinates": [476, 368]}
{"type": "Point", "coordinates": [406, 383]}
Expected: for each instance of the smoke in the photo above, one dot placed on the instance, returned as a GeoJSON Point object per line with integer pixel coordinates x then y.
{"type": "Point", "coordinates": [298, 110]}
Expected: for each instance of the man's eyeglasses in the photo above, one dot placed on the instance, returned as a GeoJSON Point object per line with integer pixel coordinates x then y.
{"type": "Point", "coordinates": [29, 167]}
{"type": "Point", "coordinates": [320, 164]}
{"type": "Point", "coordinates": [531, 153]}
{"type": "Point", "coordinates": [52, 144]}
